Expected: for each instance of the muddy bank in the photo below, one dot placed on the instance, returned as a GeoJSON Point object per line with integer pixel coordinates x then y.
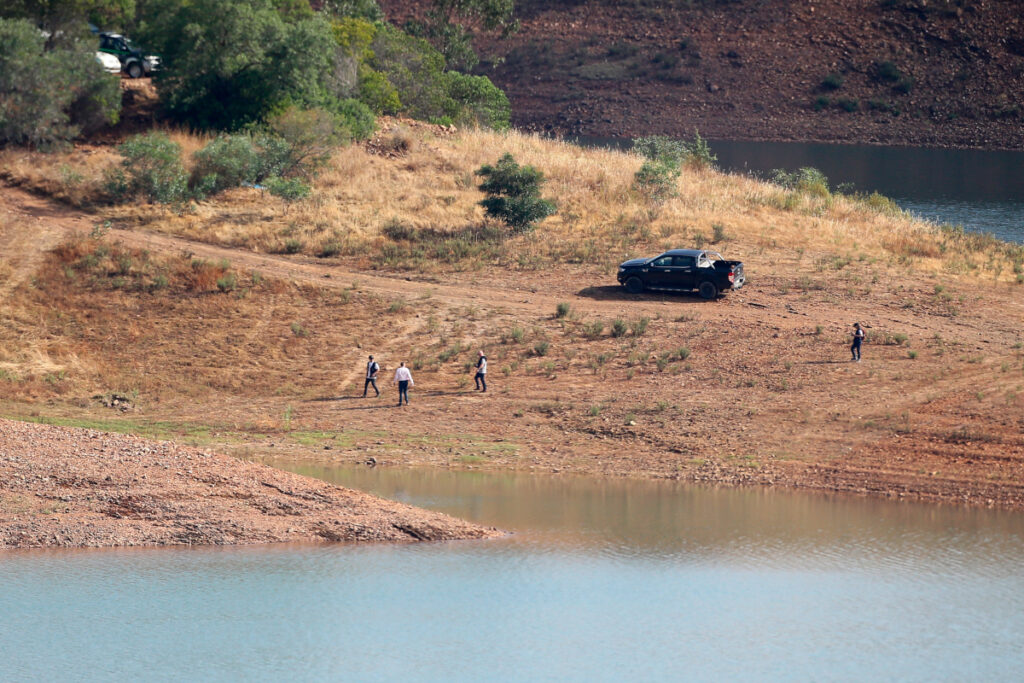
{"type": "Point", "coordinates": [63, 487]}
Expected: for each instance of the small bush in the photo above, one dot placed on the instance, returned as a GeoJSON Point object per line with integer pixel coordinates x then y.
{"type": "Point", "coordinates": [833, 81]}
{"type": "Point", "coordinates": [887, 72]}
{"type": "Point", "coordinates": [821, 102]}
{"type": "Point", "coordinates": [150, 167]}
{"type": "Point", "coordinates": [227, 161]}
{"type": "Point", "coordinates": [516, 335]}
{"type": "Point", "coordinates": [640, 326]}
{"type": "Point", "coordinates": [299, 331]}
{"type": "Point", "coordinates": [594, 329]}
{"type": "Point", "coordinates": [541, 348]}
{"type": "Point", "coordinates": [682, 353]}
{"type": "Point", "coordinates": [657, 180]}
{"type": "Point", "coordinates": [226, 283]}
{"type": "Point", "coordinates": [619, 327]}
{"type": "Point", "coordinates": [848, 104]}
{"type": "Point", "coordinates": [562, 310]}
{"type": "Point", "coordinates": [292, 246]}
{"type": "Point", "coordinates": [288, 189]}
{"type": "Point", "coordinates": [718, 233]}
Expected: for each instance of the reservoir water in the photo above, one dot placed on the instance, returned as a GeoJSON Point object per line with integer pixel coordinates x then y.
{"type": "Point", "coordinates": [600, 580]}
{"type": "Point", "coordinates": [982, 190]}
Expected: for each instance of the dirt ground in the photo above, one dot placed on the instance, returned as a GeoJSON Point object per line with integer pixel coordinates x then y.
{"type": "Point", "coordinates": [63, 487]}
{"type": "Point", "coordinates": [756, 388]}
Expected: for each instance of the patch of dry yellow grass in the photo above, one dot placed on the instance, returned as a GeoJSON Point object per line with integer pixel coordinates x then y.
{"type": "Point", "coordinates": [601, 217]}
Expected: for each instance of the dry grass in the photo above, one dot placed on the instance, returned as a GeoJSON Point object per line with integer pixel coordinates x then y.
{"type": "Point", "coordinates": [421, 179]}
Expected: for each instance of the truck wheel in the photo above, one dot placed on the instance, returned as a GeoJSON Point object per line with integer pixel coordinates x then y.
{"type": "Point", "coordinates": [634, 285]}
{"type": "Point", "coordinates": [708, 290]}
{"type": "Point", "coordinates": [135, 70]}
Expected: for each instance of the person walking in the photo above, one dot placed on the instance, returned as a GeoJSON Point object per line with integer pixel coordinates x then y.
{"type": "Point", "coordinates": [404, 379]}
{"type": "Point", "coordinates": [481, 372]}
{"type": "Point", "coordinates": [372, 368]}
{"type": "Point", "coordinates": [858, 338]}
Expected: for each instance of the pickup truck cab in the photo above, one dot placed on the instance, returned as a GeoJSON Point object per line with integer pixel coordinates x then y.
{"type": "Point", "coordinates": [707, 272]}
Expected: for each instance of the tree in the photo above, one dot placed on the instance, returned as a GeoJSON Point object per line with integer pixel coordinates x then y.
{"type": "Point", "coordinates": [63, 21]}
{"type": "Point", "coordinates": [513, 193]}
{"type": "Point", "coordinates": [451, 25]}
{"type": "Point", "coordinates": [228, 63]}
{"type": "Point", "coordinates": [78, 95]}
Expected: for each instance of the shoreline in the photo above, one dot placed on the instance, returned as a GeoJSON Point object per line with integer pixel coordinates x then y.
{"type": "Point", "coordinates": [64, 487]}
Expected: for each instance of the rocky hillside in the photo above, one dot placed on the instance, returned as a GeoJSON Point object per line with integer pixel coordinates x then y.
{"type": "Point", "coordinates": [929, 72]}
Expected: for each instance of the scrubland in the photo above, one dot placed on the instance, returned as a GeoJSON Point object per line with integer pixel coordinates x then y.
{"type": "Point", "coordinates": [243, 322]}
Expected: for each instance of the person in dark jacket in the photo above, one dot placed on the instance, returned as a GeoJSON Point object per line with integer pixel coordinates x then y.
{"type": "Point", "coordinates": [372, 369]}
{"type": "Point", "coordinates": [481, 372]}
{"type": "Point", "coordinates": [858, 338]}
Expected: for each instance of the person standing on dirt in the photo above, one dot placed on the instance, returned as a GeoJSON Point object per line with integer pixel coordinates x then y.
{"type": "Point", "coordinates": [404, 379]}
{"type": "Point", "coordinates": [858, 337]}
{"type": "Point", "coordinates": [372, 368]}
{"type": "Point", "coordinates": [481, 372]}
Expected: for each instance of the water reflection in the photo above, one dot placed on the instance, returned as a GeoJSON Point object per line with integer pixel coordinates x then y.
{"type": "Point", "coordinates": [680, 523]}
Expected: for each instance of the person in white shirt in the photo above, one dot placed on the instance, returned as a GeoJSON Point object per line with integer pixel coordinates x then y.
{"type": "Point", "coordinates": [404, 379]}
{"type": "Point", "coordinates": [372, 368]}
{"type": "Point", "coordinates": [481, 372]}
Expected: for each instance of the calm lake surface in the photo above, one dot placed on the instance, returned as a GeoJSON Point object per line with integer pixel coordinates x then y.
{"type": "Point", "coordinates": [601, 580]}
{"type": "Point", "coordinates": [981, 190]}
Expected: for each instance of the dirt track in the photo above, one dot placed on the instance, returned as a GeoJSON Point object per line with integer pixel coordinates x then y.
{"type": "Point", "coordinates": [767, 397]}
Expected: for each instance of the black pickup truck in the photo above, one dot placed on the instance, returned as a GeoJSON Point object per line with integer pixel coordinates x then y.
{"type": "Point", "coordinates": [683, 270]}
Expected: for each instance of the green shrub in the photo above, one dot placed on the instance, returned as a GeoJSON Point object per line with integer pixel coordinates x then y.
{"type": "Point", "coordinates": [594, 329]}
{"type": "Point", "coordinates": [49, 94]}
{"type": "Point", "coordinates": [640, 326]}
{"type": "Point", "coordinates": [821, 102]}
{"type": "Point", "coordinates": [227, 161]}
{"type": "Point", "coordinates": [848, 104]}
{"type": "Point", "coordinates": [674, 153]}
{"type": "Point", "coordinates": [619, 327]}
{"type": "Point", "coordinates": [807, 179]}
{"type": "Point", "coordinates": [288, 189]}
{"type": "Point", "coordinates": [541, 348]}
{"type": "Point", "coordinates": [563, 309]}
{"type": "Point", "coordinates": [150, 168]}
{"type": "Point", "coordinates": [227, 282]}
{"type": "Point", "coordinates": [513, 194]}
{"type": "Point", "coordinates": [886, 72]}
{"type": "Point", "coordinates": [833, 81]}
{"type": "Point", "coordinates": [657, 180]}
{"type": "Point", "coordinates": [476, 101]}
{"type": "Point", "coordinates": [357, 118]}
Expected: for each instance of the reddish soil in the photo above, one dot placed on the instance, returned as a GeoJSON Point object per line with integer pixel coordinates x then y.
{"type": "Point", "coordinates": [63, 487]}
{"type": "Point", "coordinates": [767, 396]}
{"type": "Point", "coordinates": [756, 70]}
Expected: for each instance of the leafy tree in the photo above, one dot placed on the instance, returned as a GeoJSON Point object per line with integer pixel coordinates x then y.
{"type": "Point", "coordinates": [451, 25]}
{"type": "Point", "coordinates": [475, 100]}
{"type": "Point", "coordinates": [360, 9]}
{"type": "Point", "coordinates": [78, 95]}
{"type": "Point", "coordinates": [63, 21]}
{"type": "Point", "coordinates": [513, 193]}
{"type": "Point", "coordinates": [228, 63]}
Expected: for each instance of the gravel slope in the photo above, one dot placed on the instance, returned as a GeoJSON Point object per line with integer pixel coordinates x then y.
{"type": "Point", "coordinates": [64, 487]}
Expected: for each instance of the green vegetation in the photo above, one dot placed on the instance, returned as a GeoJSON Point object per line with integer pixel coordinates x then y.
{"type": "Point", "coordinates": [664, 159]}
{"type": "Point", "coordinates": [513, 194]}
{"type": "Point", "coordinates": [51, 90]}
